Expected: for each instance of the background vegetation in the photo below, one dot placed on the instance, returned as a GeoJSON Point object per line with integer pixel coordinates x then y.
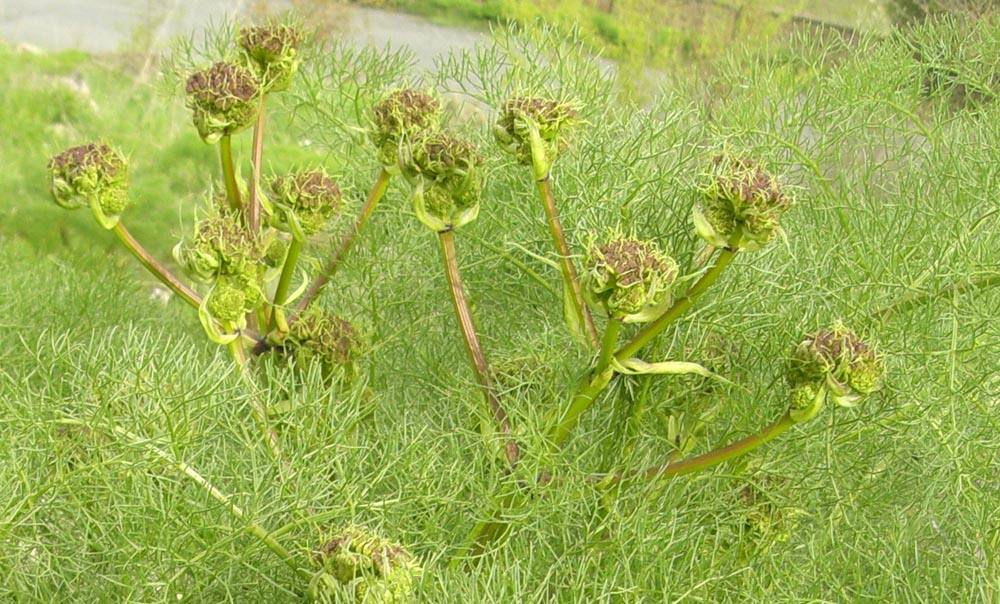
{"type": "Point", "coordinates": [892, 146]}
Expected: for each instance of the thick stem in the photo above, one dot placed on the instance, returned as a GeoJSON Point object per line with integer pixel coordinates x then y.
{"type": "Point", "coordinates": [570, 279]}
{"type": "Point", "coordinates": [158, 270]}
{"type": "Point", "coordinates": [256, 154]}
{"type": "Point", "coordinates": [479, 365]}
{"type": "Point", "coordinates": [237, 512]}
{"type": "Point", "coordinates": [285, 284]}
{"type": "Point", "coordinates": [680, 306]}
{"type": "Point", "coordinates": [701, 462]}
{"type": "Point", "coordinates": [916, 299]}
{"type": "Point", "coordinates": [378, 190]}
{"type": "Point", "coordinates": [229, 173]}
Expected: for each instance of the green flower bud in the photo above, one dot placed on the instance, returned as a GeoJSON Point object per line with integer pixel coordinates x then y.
{"type": "Point", "coordinates": [376, 570]}
{"type": "Point", "coordinates": [405, 113]}
{"type": "Point", "coordinates": [227, 301]}
{"type": "Point", "coordinates": [839, 362]}
{"type": "Point", "coordinates": [806, 401]}
{"type": "Point", "coordinates": [94, 175]}
{"type": "Point", "coordinates": [304, 202]}
{"type": "Point", "coordinates": [447, 176]}
{"type": "Point", "coordinates": [220, 247]}
{"type": "Point", "coordinates": [741, 205]}
{"type": "Point", "coordinates": [318, 336]}
{"type": "Point", "coordinates": [534, 130]}
{"type": "Point", "coordinates": [272, 53]}
{"type": "Point", "coordinates": [274, 257]}
{"type": "Point", "coordinates": [224, 99]}
{"type": "Point", "coordinates": [628, 279]}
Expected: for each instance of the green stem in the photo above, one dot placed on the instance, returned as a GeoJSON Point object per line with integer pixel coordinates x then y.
{"type": "Point", "coordinates": [153, 266]}
{"type": "Point", "coordinates": [253, 209]}
{"type": "Point", "coordinates": [284, 284]}
{"type": "Point", "coordinates": [701, 462]}
{"type": "Point", "coordinates": [916, 299]}
{"type": "Point", "coordinates": [237, 512]}
{"type": "Point", "coordinates": [679, 307]}
{"type": "Point", "coordinates": [376, 193]}
{"type": "Point", "coordinates": [229, 173]}
{"type": "Point", "coordinates": [571, 281]}
{"type": "Point", "coordinates": [479, 364]}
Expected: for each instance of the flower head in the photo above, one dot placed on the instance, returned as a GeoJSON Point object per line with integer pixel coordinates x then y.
{"type": "Point", "coordinates": [272, 51]}
{"type": "Point", "coordinates": [304, 202]}
{"type": "Point", "coordinates": [628, 279]}
{"type": "Point", "coordinates": [834, 362]}
{"type": "Point", "coordinates": [94, 175]}
{"type": "Point", "coordinates": [220, 247]}
{"type": "Point", "coordinates": [322, 337]}
{"type": "Point", "coordinates": [224, 99]}
{"type": "Point", "coordinates": [741, 205]}
{"type": "Point", "coordinates": [376, 570]}
{"type": "Point", "coordinates": [404, 113]}
{"type": "Point", "coordinates": [447, 176]}
{"type": "Point", "coordinates": [534, 130]}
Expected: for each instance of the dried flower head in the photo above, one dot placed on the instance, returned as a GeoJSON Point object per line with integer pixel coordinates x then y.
{"type": "Point", "coordinates": [376, 570]}
{"type": "Point", "coordinates": [94, 175]}
{"type": "Point", "coordinates": [224, 99]}
{"type": "Point", "coordinates": [220, 247]}
{"type": "Point", "coordinates": [628, 279]}
{"type": "Point", "coordinates": [304, 202]}
{"type": "Point", "coordinates": [404, 113]}
{"type": "Point", "coordinates": [272, 52]}
{"type": "Point", "coordinates": [534, 130]}
{"type": "Point", "coordinates": [834, 362]}
{"type": "Point", "coordinates": [319, 336]}
{"type": "Point", "coordinates": [448, 176]}
{"type": "Point", "coordinates": [741, 205]}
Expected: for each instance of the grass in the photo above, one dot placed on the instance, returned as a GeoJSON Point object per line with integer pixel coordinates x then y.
{"type": "Point", "coordinates": [894, 501]}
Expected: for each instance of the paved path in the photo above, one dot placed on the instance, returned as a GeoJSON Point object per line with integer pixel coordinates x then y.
{"type": "Point", "coordinates": [108, 25]}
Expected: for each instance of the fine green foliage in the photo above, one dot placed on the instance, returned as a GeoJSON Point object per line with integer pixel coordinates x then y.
{"type": "Point", "coordinates": [111, 403]}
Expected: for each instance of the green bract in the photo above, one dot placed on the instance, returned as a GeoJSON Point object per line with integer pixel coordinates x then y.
{"type": "Point", "coordinates": [447, 178]}
{"type": "Point", "coordinates": [220, 247]}
{"type": "Point", "coordinates": [628, 279]}
{"type": "Point", "coordinates": [374, 570]}
{"type": "Point", "coordinates": [94, 175]}
{"type": "Point", "coordinates": [834, 362]}
{"type": "Point", "coordinates": [534, 130]}
{"type": "Point", "coordinates": [404, 113]}
{"type": "Point", "coordinates": [224, 99]}
{"type": "Point", "coordinates": [304, 202]}
{"type": "Point", "coordinates": [272, 53]}
{"type": "Point", "coordinates": [741, 205]}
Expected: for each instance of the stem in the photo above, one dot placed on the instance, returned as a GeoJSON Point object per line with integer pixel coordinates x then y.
{"type": "Point", "coordinates": [701, 462]}
{"type": "Point", "coordinates": [253, 210]}
{"type": "Point", "coordinates": [479, 365]}
{"type": "Point", "coordinates": [568, 271]}
{"type": "Point", "coordinates": [260, 411]}
{"type": "Point", "coordinates": [915, 299]}
{"type": "Point", "coordinates": [226, 156]}
{"type": "Point", "coordinates": [284, 284]}
{"type": "Point", "coordinates": [378, 189]}
{"type": "Point", "coordinates": [153, 266]}
{"type": "Point", "coordinates": [255, 529]}
{"type": "Point", "coordinates": [679, 307]}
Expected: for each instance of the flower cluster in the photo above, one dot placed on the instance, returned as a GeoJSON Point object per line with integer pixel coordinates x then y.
{"type": "Point", "coordinates": [628, 279]}
{"type": "Point", "coordinates": [272, 52]}
{"type": "Point", "coordinates": [447, 177]}
{"type": "Point", "coordinates": [404, 113]}
{"type": "Point", "coordinates": [94, 175]}
{"type": "Point", "coordinates": [832, 363]}
{"type": "Point", "coordinates": [741, 205]}
{"type": "Point", "coordinates": [534, 130]}
{"type": "Point", "coordinates": [373, 569]}
{"type": "Point", "coordinates": [304, 202]}
{"type": "Point", "coordinates": [224, 99]}
{"type": "Point", "coordinates": [319, 336]}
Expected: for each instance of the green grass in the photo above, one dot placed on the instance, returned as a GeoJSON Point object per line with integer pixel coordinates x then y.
{"type": "Point", "coordinates": [894, 501]}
